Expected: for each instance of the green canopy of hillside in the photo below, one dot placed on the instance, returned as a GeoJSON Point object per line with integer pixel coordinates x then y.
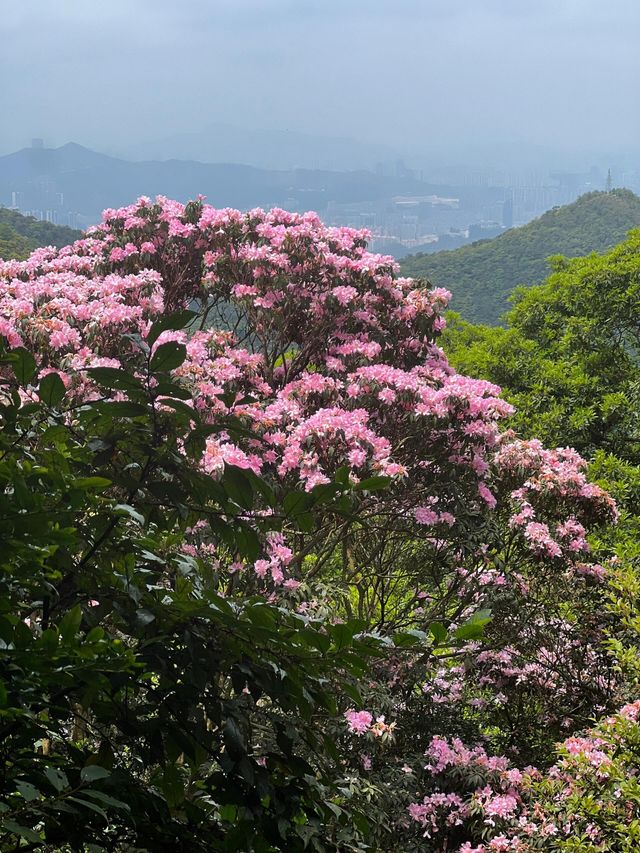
{"type": "Point", "coordinates": [20, 235]}
{"type": "Point", "coordinates": [482, 275]}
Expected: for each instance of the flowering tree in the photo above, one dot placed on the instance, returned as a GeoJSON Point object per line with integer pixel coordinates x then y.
{"type": "Point", "coordinates": [266, 401]}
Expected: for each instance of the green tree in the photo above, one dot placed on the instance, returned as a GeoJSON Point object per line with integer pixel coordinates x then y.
{"type": "Point", "coordinates": [569, 357]}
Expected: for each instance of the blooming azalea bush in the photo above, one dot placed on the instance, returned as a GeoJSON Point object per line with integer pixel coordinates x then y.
{"type": "Point", "coordinates": [265, 401]}
{"type": "Point", "coordinates": [324, 354]}
{"type": "Point", "coordinates": [588, 800]}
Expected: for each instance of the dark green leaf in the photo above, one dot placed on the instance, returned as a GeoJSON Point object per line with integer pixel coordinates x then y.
{"type": "Point", "coordinates": [439, 632]}
{"type": "Point", "coordinates": [238, 486]}
{"type": "Point", "coordinates": [170, 321]}
{"type": "Point", "coordinates": [342, 475]}
{"type": "Point", "coordinates": [373, 484]}
{"type": "Point", "coordinates": [297, 502]}
{"type": "Point", "coordinates": [21, 831]}
{"type": "Point", "coordinates": [114, 377]}
{"type": "Point", "coordinates": [89, 805]}
{"type": "Point", "coordinates": [51, 390]}
{"type": "Point", "coordinates": [57, 778]}
{"type": "Point", "coordinates": [93, 772]}
{"type": "Point", "coordinates": [70, 624]}
{"type": "Point", "coordinates": [91, 483]}
{"type": "Point", "coordinates": [28, 791]}
{"type": "Point", "coordinates": [23, 365]}
{"type": "Point", "coordinates": [248, 542]}
{"type": "Point", "coordinates": [125, 509]}
{"type": "Point", "coordinates": [106, 799]}
{"type": "Point", "coordinates": [167, 357]}
{"type": "Point", "coordinates": [121, 409]}
{"type": "Point", "coordinates": [473, 628]}
{"type": "Point", "coordinates": [233, 739]}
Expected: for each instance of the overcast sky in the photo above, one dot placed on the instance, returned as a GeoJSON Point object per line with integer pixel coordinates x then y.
{"type": "Point", "coordinates": [433, 74]}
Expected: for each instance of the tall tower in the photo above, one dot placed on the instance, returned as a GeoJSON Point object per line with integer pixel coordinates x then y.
{"type": "Point", "coordinates": [507, 211]}
{"type": "Point", "coordinates": [609, 181]}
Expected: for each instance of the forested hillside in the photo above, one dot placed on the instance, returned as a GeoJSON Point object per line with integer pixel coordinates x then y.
{"type": "Point", "coordinates": [568, 357]}
{"type": "Point", "coordinates": [482, 275]}
{"type": "Point", "coordinates": [20, 235]}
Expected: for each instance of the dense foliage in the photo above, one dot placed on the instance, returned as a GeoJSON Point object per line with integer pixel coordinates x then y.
{"type": "Point", "coordinates": [482, 275]}
{"type": "Point", "coordinates": [20, 235]}
{"type": "Point", "coordinates": [276, 577]}
{"type": "Point", "coordinates": [568, 359]}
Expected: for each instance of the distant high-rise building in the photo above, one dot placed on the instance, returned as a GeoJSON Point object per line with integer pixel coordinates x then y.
{"type": "Point", "coordinates": [402, 171]}
{"type": "Point", "coordinates": [507, 212]}
{"type": "Point", "coordinates": [609, 181]}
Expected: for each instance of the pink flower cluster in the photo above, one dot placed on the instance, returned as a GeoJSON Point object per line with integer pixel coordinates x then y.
{"type": "Point", "coordinates": [443, 754]}
{"type": "Point", "coordinates": [437, 810]}
{"type": "Point", "coordinates": [552, 485]}
{"type": "Point", "coordinates": [326, 355]}
{"type": "Point", "coordinates": [498, 800]}
{"type": "Point", "coordinates": [362, 722]}
{"type": "Point", "coordinates": [359, 722]}
{"type": "Point", "coordinates": [522, 811]}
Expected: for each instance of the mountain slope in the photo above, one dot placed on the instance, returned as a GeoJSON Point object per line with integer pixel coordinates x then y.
{"type": "Point", "coordinates": [89, 181]}
{"type": "Point", "coordinates": [482, 275]}
{"type": "Point", "coordinates": [20, 235]}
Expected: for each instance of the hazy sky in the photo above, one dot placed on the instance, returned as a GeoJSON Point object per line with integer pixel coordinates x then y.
{"type": "Point", "coordinates": [415, 74]}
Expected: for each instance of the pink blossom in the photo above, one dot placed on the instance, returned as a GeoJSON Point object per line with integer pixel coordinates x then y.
{"type": "Point", "coordinates": [359, 722]}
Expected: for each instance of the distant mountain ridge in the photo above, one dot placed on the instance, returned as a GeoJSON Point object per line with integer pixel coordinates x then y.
{"type": "Point", "coordinates": [30, 162]}
{"type": "Point", "coordinates": [482, 275]}
{"type": "Point", "coordinates": [265, 149]}
{"type": "Point", "coordinates": [20, 235]}
{"type": "Point", "coordinates": [89, 182]}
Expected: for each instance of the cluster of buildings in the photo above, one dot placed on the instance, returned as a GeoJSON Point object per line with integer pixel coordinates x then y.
{"type": "Point", "coordinates": [476, 208]}
{"type": "Point", "coordinates": [49, 207]}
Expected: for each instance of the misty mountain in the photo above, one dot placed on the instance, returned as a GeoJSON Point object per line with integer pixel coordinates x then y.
{"type": "Point", "coordinates": [482, 275]}
{"type": "Point", "coordinates": [32, 163]}
{"type": "Point", "coordinates": [266, 149]}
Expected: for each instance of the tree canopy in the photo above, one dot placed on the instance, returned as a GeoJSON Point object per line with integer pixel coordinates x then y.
{"type": "Point", "coordinates": [568, 359]}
